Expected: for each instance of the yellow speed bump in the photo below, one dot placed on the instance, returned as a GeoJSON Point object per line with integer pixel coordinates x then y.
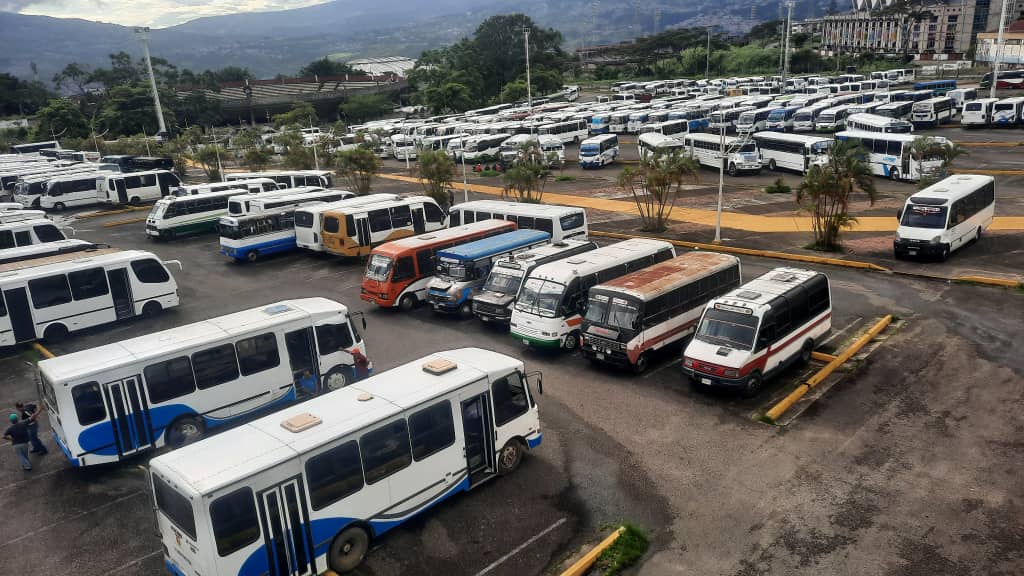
{"type": "Point", "coordinates": [581, 566]}
{"type": "Point", "coordinates": [42, 350]}
{"type": "Point", "coordinates": [779, 409]}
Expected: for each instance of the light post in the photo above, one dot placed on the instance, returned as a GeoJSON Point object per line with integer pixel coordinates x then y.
{"type": "Point", "coordinates": [998, 52]}
{"type": "Point", "coordinates": [707, 65]}
{"type": "Point", "coordinates": [721, 185]}
{"type": "Point", "coordinates": [143, 36]}
{"type": "Point", "coordinates": [216, 150]}
{"type": "Point", "coordinates": [465, 184]}
{"type": "Point", "coordinates": [526, 42]}
{"type": "Point", "coordinates": [316, 138]}
{"type": "Point", "coordinates": [789, 32]}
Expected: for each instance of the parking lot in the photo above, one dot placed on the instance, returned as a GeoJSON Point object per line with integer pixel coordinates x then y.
{"type": "Point", "coordinates": [910, 465]}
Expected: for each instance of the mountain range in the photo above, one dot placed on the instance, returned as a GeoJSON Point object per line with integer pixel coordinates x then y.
{"type": "Point", "coordinates": [270, 43]}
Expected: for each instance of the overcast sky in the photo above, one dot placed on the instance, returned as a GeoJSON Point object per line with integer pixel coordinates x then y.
{"type": "Point", "coordinates": [155, 13]}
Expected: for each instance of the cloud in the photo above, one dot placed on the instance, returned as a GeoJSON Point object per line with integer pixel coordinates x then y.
{"type": "Point", "coordinates": [14, 5]}
{"type": "Point", "coordinates": [157, 13]}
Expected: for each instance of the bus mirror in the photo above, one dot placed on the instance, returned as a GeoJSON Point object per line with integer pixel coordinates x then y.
{"type": "Point", "coordinates": [899, 214]}
{"type": "Point", "coordinates": [362, 318]}
{"type": "Point", "coordinates": [175, 262]}
{"type": "Point", "coordinates": [540, 379]}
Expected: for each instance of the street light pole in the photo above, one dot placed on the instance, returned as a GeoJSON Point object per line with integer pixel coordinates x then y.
{"type": "Point", "coordinates": [721, 185]}
{"type": "Point", "coordinates": [789, 32]}
{"type": "Point", "coordinates": [465, 184]}
{"type": "Point", "coordinates": [143, 35]}
{"type": "Point", "coordinates": [998, 52]}
{"type": "Point", "coordinates": [707, 66]}
{"type": "Point", "coordinates": [526, 42]}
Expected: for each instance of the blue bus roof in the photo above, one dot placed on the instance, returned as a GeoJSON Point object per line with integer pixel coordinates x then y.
{"type": "Point", "coordinates": [494, 245]}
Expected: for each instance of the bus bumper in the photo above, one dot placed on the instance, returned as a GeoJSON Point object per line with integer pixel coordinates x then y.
{"type": "Point", "coordinates": [538, 341]}
{"type": "Point", "coordinates": [378, 299]}
{"type": "Point", "coordinates": [702, 379]}
{"type": "Point", "coordinates": [172, 567]}
{"type": "Point", "coordinates": [67, 453]}
{"type": "Point", "coordinates": [910, 248]}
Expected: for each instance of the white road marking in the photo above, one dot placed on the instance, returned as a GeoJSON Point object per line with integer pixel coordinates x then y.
{"type": "Point", "coordinates": [33, 478]}
{"type": "Point", "coordinates": [69, 519]}
{"type": "Point", "coordinates": [138, 560]}
{"type": "Point", "coordinates": [520, 548]}
{"type": "Point", "coordinates": [839, 333]}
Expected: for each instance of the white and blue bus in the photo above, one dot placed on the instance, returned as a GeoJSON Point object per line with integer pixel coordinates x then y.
{"type": "Point", "coordinates": [875, 123]}
{"type": "Point", "coordinates": [251, 204]}
{"type": "Point", "coordinates": [560, 221]}
{"type": "Point", "coordinates": [797, 152]}
{"type": "Point", "coordinates": [933, 111]}
{"type": "Point", "coordinates": [889, 155]}
{"type": "Point", "coordinates": [599, 151]}
{"type": "Point", "coordinates": [288, 178]}
{"type": "Point", "coordinates": [309, 489]}
{"type": "Point", "coordinates": [600, 123]}
{"type": "Point", "coordinates": [781, 119]}
{"type": "Point", "coordinates": [247, 238]}
{"type": "Point", "coordinates": [171, 387]}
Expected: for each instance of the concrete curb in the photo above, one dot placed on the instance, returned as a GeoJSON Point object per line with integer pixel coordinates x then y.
{"type": "Point", "coordinates": [1005, 283]}
{"type": "Point", "coordinates": [990, 144]}
{"type": "Point", "coordinates": [42, 350]}
{"type": "Point", "coordinates": [123, 222]}
{"type": "Point", "coordinates": [581, 566]}
{"type": "Point", "coordinates": [112, 212]}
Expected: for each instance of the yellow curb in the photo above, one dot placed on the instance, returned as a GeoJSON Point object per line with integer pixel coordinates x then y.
{"type": "Point", "coordinates": [779, 409]}
{"type": "Point", "coordinates": [123, 222]}
{"type": "Point", "coordinates": [733, 220]}
{"type": "Point", "coordinates": [42, 350]}
{"type": "Point", "coordinates": [581, 566]}
{"type": "Point", "coordinates": [750, 251]}
{"type": "Point", "coordinates": [990, 281]}
{"type": "Point", "coordinates": [822, 357]}
{"type": "Point", "coordinates": [990, 144]}
{"type": "Point", "coordinates": [112, 212]}
{"type": "Point", "coordinates": [987, 172]}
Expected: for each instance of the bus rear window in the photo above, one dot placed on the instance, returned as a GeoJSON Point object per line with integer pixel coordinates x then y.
{"type": "Point", "coordinates": [234, 521]}
{"type": "Point", "coordinates": [176, 507]}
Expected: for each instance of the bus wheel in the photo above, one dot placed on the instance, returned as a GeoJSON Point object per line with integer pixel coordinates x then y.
{"type": "Point", "coordinates": [806, 351]}
{"type": "Point", "coordinates": [944, 255]}
{"type": "Point", "coordinates": [59, 206]}
{"type": "Point", "coordinates": [152, 309]}
{"type": "Point", "coordinates": [252, 255]}
{"type": "Point", "coordinates": [732, 169]}
{"type": "Point", "coordinates": [641, 364]}
{"type": "Point", "coordinates": [348, 549]}
{"type": "Point", "coordinates": [571, 341]}
{"type": "Point", "coordinates": [977, 235]}
{"type": "Point", "coordinates": [753, 385]}
{"type": "Point", "coordinates": [894, 175]}
{"type": "Point", "coordinates": [55, 333]}
{"type": "Point", "coordinates": [771, 164]}
{"type": "Point", "coordinates": [184, 431]}
{"type": "Point", "coordinates": [466, 310]}
{"type": "Point", "coordinates": [510, 456]}
{"type": "Point", "coordinates": [135, 201]}
{"type": "Point", "coordinates": [167, 234]}
{"type": "Point", "coordinates": [407, 303]}
{"type": "Point", "coordinates": [335, 380]}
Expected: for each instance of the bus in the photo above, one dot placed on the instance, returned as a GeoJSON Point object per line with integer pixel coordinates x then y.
{"type": "Point", "coordinates": [309, 219]}
{"type": "Point", "coordinates": [651, 142]}
{"type": "Point", "coordinates": [755, 331]}
{"type": "Point", "coordinates": [249, 204]}
{"type": "Point", "coordinates": [136, 187]}
{"type": "Point", "coordinates": [549, 307]}
{"type": "Point", "coordinates": [636, 121]}
{"type": "Point", "coordinates": [1008, 112]}
{"type": "Point", "coordinates": [460, 270]}
{"type": "Point", "coordinates": [797, 152]}
{"type": "Point", "coordinates": [598, 151]}
{"type": "Point", "coordinates": [483, 147]}
{"type": "Point", "coordinates": [978, 112]}
{"type": "Point", "coordinates": [631, 318]}
{"type": "Point", "coordinates": [150, 163]}
{"type": "Point", "coordinates": [600, 123]}
{"type": "Point", "coordinates": [740, 153]}
{"type": "Point", "coordinates": [8, 216]}
{"type": "Point", "coordinates": [29, 232]}
{"type": "Point", "coordinates": [31, 147]}
{"type": "Point", "coordinates": [569, 131]}
{"type": "Point", "coordinates": [961, 96]}
{"type": "Point", "coordinates": [53, 296]}
{"type": "Point", "coordinates": [493, 303]}
{"type": "Point", "coordinates": [804, 118]}
{"type": "Point", "coordinates": [170, 388]}
{"type": "Point", "coordinates": [937, 87]}
{"type": "Point", "coordinates": [889, 155]}
{"type": "Point", "coordinates": [397, 272]}
{"type": "Point", "coordinates": [914, 96]}
{"type": "Point", "coordinates": [897, 110]}
{"type": "Point", "coordinates": [933, 111]}
{"type": "Point", "coordinates": [249, 237]}
{"type": "Point", "coordinates": [876, 123]}
{"type": "Point", "coordinates": [288, 178]}
{"type": "Point", "coordinates": [42, 250]}
{"type": "Point", "coordinates": [753, 120]}
{"type": "Point", "coordinates": [309, 489]}
{"type": "Point", "coordinates": [676, 127]}
{"type": "Point", "coordinates": [70, 190]}
{"type": "Point", "coordinates": [30, 190]}
{"type": "Point", "coordinates": [781, 119]}
{"type": "Point", "coordinates": [253, 186]}
{"type": "Point", "coordinates": [1008, 79]}
{"type": "Point", "coordinates": [560, 221]}
{"type": "Point", "coordinates": [240, 205]}
{"type": "Point", "coordinates": [402, 146]}
{"type": "Point", "coordinates": [355, 230]}
{"type": "Point", "coordinates": [945, 216]}
{"type": "Point", "coordinates": [832, 119]}
{"type": "Point", "coordinates": [726, 119]}
{"type": "Point", "coordinates": [173, 216]}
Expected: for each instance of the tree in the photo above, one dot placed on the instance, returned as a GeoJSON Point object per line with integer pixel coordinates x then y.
{"type": "Point", "coordinates": [436, 171]}
{"type": "Point", "coordinates": [128, 110]}
{"type": "Point", "coordinates": [498, 43]}
{"type": "Point", "coordinates": [826, 191]}
{"type": "Point", "coordinates": [447, 98]}
{"type": "Point", "coordinates": [209, 158]}
{"type": "Point", "coordinates": [327, 67]}
{"type": "Point", "coordinates": [513, 91]}
{"type": "Point", "coordinates": [20, 97]}
{"type": "Point", "coordinates": [925, 148]}
{"type": "Point", "coordinates": [655, 184]}
{"type": "Point", "coordinates": [301, 114]}
{"type": "Point", "coordinates": [358, 166]}
{"type": "Point", "coordinates": [526, 179]}
{"type": "Point", "coordinates": [256, 158]}
{"type": "Point", "coordinates": [62, 116]}
{"type": "Point", "coordinates": [73, 75]}
{"type": "Point", "coordinates": [359, 109]}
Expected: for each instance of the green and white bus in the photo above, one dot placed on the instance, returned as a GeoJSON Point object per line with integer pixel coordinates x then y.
{"type": "Point", "coordinates": [175, 216]}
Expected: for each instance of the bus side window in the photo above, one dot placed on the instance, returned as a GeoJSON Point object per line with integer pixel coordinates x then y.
{"type": "Point", "coordinates": [23, 238]}
{"type": "Point", "coordinates": [169, 379]}
{"type": "Point", "coordinates": [332, 337]}
{"type": "Point", "coordinates": [385, 450]}
{"type": "Point", "coordinates": [334, 474]}
{"type": "Point", "coordinates": [89, 283]}
{"type": "Point", "coordinates": [258, 353]}
{"type": "Point", "coordinates": [404, 269]}
{"type": "Point", "coordinates": [545, 225]}
{"type": "Point", "coordinates": [234, 521]}
{"type": "Point", "coordinates": [6, 239]}
{"type": "Point", "coordinates": [149, 271]}
{"type": "Point", "coordinates": [88, 403]}
{"type": "Point", "coordinates": [433, 213]}
{"type": "Point", "coordinates": [425, 262]}
{"type": "Point", "coordinates": [215, 366]}
{"type": "Point", "coordinates": [509, 395]}
{"type": "Point", "coordinates": [49, 291]}
{"type": "Point", "coordinates": [454, 217]}
{"type": "Point", "coordinates": [431, 430]}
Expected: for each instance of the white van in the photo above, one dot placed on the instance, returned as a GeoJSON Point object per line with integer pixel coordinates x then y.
{"type": "Point", "coordinates": [29, 233]}
{"type": "Point", "coordinates": [945, 216]}
{"type": "Point", "coordinates": [70, 190]}
{"type": "Point", "coordinates": [978, 112]}
{"type": "Point", "coordinates": [135, 187]}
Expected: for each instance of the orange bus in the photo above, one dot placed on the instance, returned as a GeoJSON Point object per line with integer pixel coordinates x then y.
{"type": "Point", "coordinates": [355, 230]}
{"type": "Point", "coordinates": [398, 271]}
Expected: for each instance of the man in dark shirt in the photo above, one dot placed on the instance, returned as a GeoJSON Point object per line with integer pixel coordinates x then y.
{"type": "Point", "coordinates": [17, 433]}
{"type": "Point", "coordinates": [30, 415]}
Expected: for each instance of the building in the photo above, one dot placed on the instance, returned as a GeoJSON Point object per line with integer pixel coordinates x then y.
{"type": "Point", "coordinates": [1013, 45]}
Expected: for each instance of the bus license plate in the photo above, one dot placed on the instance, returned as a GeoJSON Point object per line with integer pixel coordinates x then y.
{"type": "Point", "coordinates": [912, 252]}
{"type": "Point", "coordinates": [706, 381]}
{"type": "Point", "coordinates": [600, 356]}
{"type": "Point", "coordinates": [525, 341]}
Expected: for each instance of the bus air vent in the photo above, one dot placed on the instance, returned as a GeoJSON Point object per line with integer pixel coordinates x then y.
{"type": "Point", "coordinates": [784, 277]}
{"type": "Point", "coordinates": [576, 261]}
{"type": "Point", "coordinates": [748, 295]}
{"type": "Point", "coordinates": [277, 309]}
{"type": "Point", "coordinates": [300, 422]}
{"type": "Point", "coordinates": [439, 366]}
{"type": "Point", "coordinates": [364, 396]}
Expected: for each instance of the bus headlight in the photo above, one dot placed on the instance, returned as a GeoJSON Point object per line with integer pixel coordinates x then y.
{"type": "Point", "coordinates": [731, 373]}
{"type": "Point", "coordinates": [688, 362]}
{"type": "Point", "coordinates": [936, 239]}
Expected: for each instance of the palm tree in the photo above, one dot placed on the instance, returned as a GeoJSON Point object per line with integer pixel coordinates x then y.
{"type": "Point", "coordinates": [525, 180]}
{"type": "Point", "coordinates": [931, 148]}
{"type": "Point", "coordinates": [655, 185]}
{"type": "Point", "coordinates": [826, 192]}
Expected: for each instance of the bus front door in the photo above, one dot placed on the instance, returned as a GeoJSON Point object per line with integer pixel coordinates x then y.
{"type": "Point", "coordinates": [21, 315]}
{"type": "Point", "coordinates": [478, 431]}
{"type": "Point", "coordinates": [418, 225]}
{"type": "Point", "coordinates": [285, 517]}
{"type": "Point", "coordinates": [302, 359]}
{"type": "Point", "coordinates": [129, 412]}
{"type": "Point", "coordinates": [121, 293]}
{"type": "Point", "coordinates": [363, 232]}
{"type": "Point", "coordinates": [122, 191]}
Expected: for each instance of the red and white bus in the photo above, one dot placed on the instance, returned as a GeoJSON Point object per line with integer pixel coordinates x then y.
{"type": "Point", "coordinates": [398, 272]}
{"type": "Point", "coordinates": [755, 331]}
{"type": "Point", "coordinates": [631, 317]}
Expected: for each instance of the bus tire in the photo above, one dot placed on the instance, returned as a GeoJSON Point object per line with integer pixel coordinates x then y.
{"type": "Point", "coordinates": [806, 350]}
{"type": "Point", "coordinates": [336, 379]}
{"type": "Point", "coordinates": [184, 431]}
{"type": "Point", "coordinates": [977, 234]}
{"type": "Point", "coordinates": [466, 310]}
{"type": "Point", "coordinates": [55, 333]}
{"type": "Point", "coordinates": [59, 206]}
{"type": "Point", "coordinates": [571, 341]}
{"type": "Point", "coordinates": [407, 303]}
{"type": "Point", "coordinates": [754, 383]}
{"type": "Point", "coordinates": [348, 549]}
{"type": "Point", "coordinates": [252, 255]}
{"type": "Point", "coordinates": [167, 235]}
{"type": "Point", "coordinates": [642, 363]}
{"type": "Point", "coordinates": [944, 255]}
{"type": "Point", "coordinates": [771, 164]}
{"type": "Point", "coordinates": [152, 309]}
{"type": "Point", "coordinates": [894, 175]}
{"type": "Point", "coordinates": [135, 201]}
{"type": "Point", "coordinates": [732, 169]}
{"type": "Point", "coordinates": [510, 456]}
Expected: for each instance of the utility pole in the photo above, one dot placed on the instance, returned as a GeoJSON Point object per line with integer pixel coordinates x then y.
{"type": "Point", "coordinates": [143, 36]}
{"type": "Point", "coordinates": [465, 185]}
{"type": "Point", "coordinates": [721, 186]}
{"type": "Point", "coordinates": [998, 52]}
{"type": "Point", "coordinates": [707, 67]}
{"type": "Point", "coordinates": [789, 32]}
{"type": "Point", "coordinates": [526, 43]}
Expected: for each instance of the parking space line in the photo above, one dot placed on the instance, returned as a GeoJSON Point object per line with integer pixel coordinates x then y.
{"type": "Point", "coordinates": [841, 332]}
{"type": "Point", "coordinates": [138, 560]}
{"type": "Point", "coordinates": [32, 479]}
{"type": "Point", "coordinates": [520, 548]}
{"type": "Point", "coordinates": [71, 518]}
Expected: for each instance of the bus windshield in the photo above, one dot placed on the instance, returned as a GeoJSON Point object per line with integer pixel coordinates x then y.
{"type": "Point", "coordinates": [777, 114]}
{"type": "Point", "coordinates": [973, 107]}
{"type": "Point", "coordinates": [158, 210]}
{"type": "Point", "coordinates": [725, 327]}
{"type": "Point", "coordinates": [504, 280]}
{"type": "Point", "coordinates": [540, 297]}
{"type": "Point", "coordinates": [378, 268]}
{"type": "Point", "coordinates": [917, 216]}
{"type": "Point", "coordinates": [614, 312]}
{"type": "Point", "coordinates": [453, 269]}
{"type": "Point", "coordinates": [232, 230]}
{"type": "Point", "coordinates": [820, 147]}
{"type": "Point", "coordinates": [590, 150]}
{"type": "Point", "coordinates": [748, 147]}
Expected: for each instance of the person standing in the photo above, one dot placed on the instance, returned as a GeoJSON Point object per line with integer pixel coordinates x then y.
{"type": "Point", "coordinates": [29, 415]}
{"type": "Point", "coordinates": [17, 433]}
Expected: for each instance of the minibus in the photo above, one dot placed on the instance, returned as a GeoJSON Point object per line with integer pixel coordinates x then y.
{"type": "Point", "coordinates": [70, 190]}
{"type": "Point", "coordinates": [933, 111]}
{"type": "Point", "coordinates": [832, 119]}
{"type": "Point", "coordinates": [755, 331]}
{"type": "Point", "coordinates": [483, 147]}
{"type": "Point", "coordinates": [797, 152]}
{"type": "Point", "coordinates": [945, 216]}
{"type": "Point", "coordinates": [631, 318]}
{"type": "Point", "coordinates": [804, 118]}
{"type": "Point", "coordinates": [598, 151]}
{"type": "Point", "coordinates": [174, 216]}
{"type": "Point", "coordinates": [40, 251]}
{"type": "Point", "coordinates": [135, 187]}
{"type": "Point", "coordinates": [288, 178]}
{"type": "Point", "coordinates": [309, 219]}
{"type": "Point", "coordinates": [740, 154]}
{"type": "Point", "coordinates": [889, 155]}
{"type": "Point", "coordinates": [560, 221]}
{"type": "Point", "coordinates": [353, 230]}
{"type": "Point", "coordinates": [876, 123]}
{"type": "Point", "coordinates": [253, 186]}
{"type": "Point", "coordinates": [249, 204]}
{"type": "Point", "coordinates": [753, 120]}
{"type": "Point", "coordinates": [897, 110]}
{"type": "Point", "coordinates": [961, 96]}
{"type": "Point", "coordinates": [566, 132]}
{"type": "Point", "coordinates": [29, 232]}
{"type": "Point", "coordinates": [781, 119]}
{"type": "Point", "coordinates": [978, 112]}
{"type": "Point", "coordinates": [1008, 112]}
{"type": "Point", "coordinates": [937, 87]}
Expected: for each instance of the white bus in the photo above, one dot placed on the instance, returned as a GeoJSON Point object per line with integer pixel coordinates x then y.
{"type": "Point", "coordinates": [647, 144]}
{"type": "Point", "coordinates": [755, 331]}
{"type": "Point", "coordinates": [803, 120]}
{"type": "Point", "coordinates": [309, 489]}
{"type": "Point", "coordinates": [945, 216]}
{"type": "Point", "coordinates": [28, 233]}
{"type": "Point", "coordinates": [42, 250]}
{"type": "Point", "coordinates": [598, 151]}
{"type": "Point", "coordinates": [548, 310]}
{"type": "Point", "coordinates": [961, 96]}
{"type": "Point", "coordinates": [569, 131]}
{"type": "Point", "coordinates": [795, 152]}
{"type": "Point", "coordinates": [173, 216]}
{"type": "Point", "coordinates": [933, 111]}
{"type": "Point", "coordinates": [169, 388]}
{"type": "Point", "coordinates": [288, 178]}
{"type": "Point", "coordinates": [636, 121]}
{"type": "Point", "coordinates": [560, 221]}
{"type": "Point", "coordinates": [753, 120]}
{"type": "Point", "coordinates": [726, 118]}
{"type": "Point", "coordinates": [889, 155]}
{"type": "Point", "coordinates": [876, 123]}
{"type": "Point", "coordinates": [1008, 112]}
{"type": "Point", "coordinates": [740, 154]}
{"type": "Point", "coordinates": [832, 119]}
{"type": "Point", "coordinates": [136, 187]}
{"type": "Point", "coordinates": [53, 296]}
{"type": "Point", "coordinates": [9, 216]}
{"type": "Point", "coordinates": [309, 219]}
{"type": "Point", "coordinates": [483, 147]}
{"type": "Point", "coordinates": [632, 317]}
{"type": "Point", "coordinates": [978, 112]}
{"type": "Point", "coordinates": [246, 204]}
{"type": "Point", "coordinates": [781, 119]}
{"type": "Point", "coordinates": [252, 185]}
{"type": "Point", "coordinates": [675, 127]}
{"type": "Point", "coordinates": [403, 147]}
{"type": "Point", "coordinates": [70, 190]}
{"type": "Point", "coordinates": [897, 110]}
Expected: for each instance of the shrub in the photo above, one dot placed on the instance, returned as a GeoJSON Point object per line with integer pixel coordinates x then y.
{"type": "Point", "coordinates": [778, 187]}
